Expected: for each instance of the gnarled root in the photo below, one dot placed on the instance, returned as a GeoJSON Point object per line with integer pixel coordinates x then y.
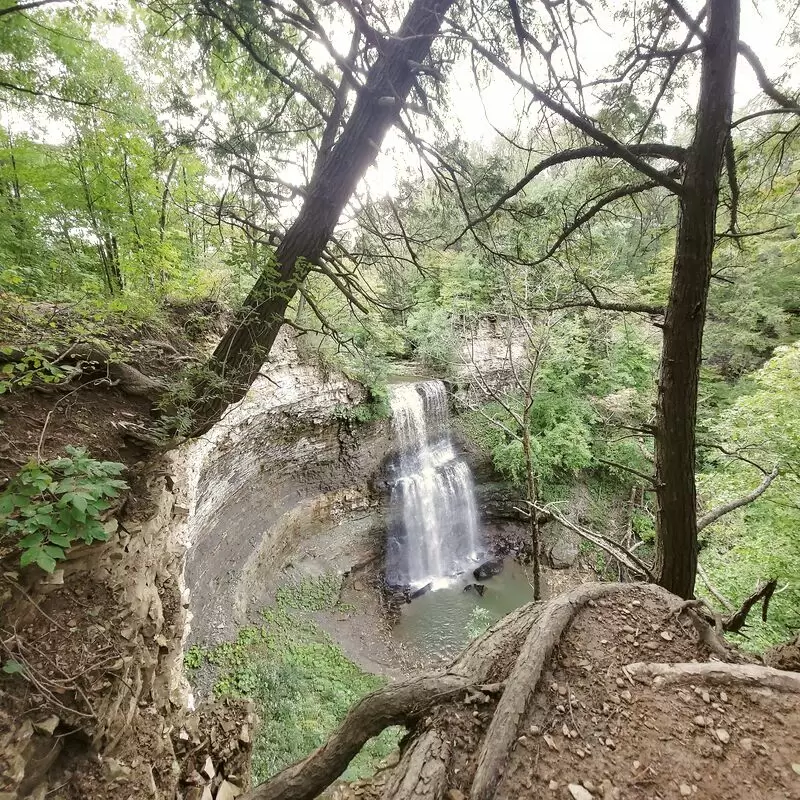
{"type": "Point", "coordinates": [715, 672]}
{"type": "Point", "coordinates": [397, 704]}
{"type": "Point", "coordinates": [532, 632]}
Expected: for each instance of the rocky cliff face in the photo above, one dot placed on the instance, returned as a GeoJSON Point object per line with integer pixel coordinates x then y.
{"type": "Point", "coordinates": [490, 354]}
{"type": "Point", "coordinates": [283, 472]}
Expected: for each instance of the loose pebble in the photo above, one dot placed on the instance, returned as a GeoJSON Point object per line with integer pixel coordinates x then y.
{"type": "Point", "coordinates": [578, 792]}
{"type": "Point", "coordinates": [685, 789]}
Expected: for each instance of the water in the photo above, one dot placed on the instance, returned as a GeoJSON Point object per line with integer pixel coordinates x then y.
{"type": "Point", "coordinates": [440, 624]}
{"type": "Point", "coordinates": [434, 533]}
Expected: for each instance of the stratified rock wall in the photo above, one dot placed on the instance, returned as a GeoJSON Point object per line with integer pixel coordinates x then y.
{"type": "Point", "coordinates": [279, 470]}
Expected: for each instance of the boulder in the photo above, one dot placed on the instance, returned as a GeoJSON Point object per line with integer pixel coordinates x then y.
{"type": "Point", "coordinates": [419, 592]}
{"type": "Point", "coordinates": [487, 569]}
{"type": "Point", "coordinates": [475, 587]}
{"type": "Point", "coordinates": [561, 545]}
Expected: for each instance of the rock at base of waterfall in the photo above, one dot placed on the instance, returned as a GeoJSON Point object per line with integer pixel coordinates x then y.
{"type": "Point", "coordinates": [487, 569]}
{"type": "Point", "coordinates": [419, 592]}
{"type": "Point", "coordinates": [475, 587]}
{"type": "Point", "coordinates": [561, 546]}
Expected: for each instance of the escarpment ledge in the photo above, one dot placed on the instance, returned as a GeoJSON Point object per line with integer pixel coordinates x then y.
{"type": "Point", "coordinates": [283, 469]}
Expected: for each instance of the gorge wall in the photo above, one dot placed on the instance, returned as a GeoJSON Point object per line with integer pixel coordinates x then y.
{"type": "Point", "coordinates": [285, 473]}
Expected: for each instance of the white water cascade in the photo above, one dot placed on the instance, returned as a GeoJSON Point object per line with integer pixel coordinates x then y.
{"type": "Point", "coordinates": [434, 532]}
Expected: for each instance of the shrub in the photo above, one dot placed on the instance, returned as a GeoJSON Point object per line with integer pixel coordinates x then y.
{"type": "Point", "coordinates": [48, 506]}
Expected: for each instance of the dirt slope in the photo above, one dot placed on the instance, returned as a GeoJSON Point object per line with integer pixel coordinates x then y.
{"type": "Point", "coordinates": [596, 721]}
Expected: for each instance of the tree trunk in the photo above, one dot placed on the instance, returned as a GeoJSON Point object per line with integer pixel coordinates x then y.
{"type": "Point", "coordinates": [676, 414]}
{"type": "Point", "coordinates": [533, 497]}
{"type": "Point", "coordinates": [246, 344]}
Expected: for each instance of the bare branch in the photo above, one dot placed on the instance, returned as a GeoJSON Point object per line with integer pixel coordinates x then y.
{"type": "Point", "coordinates": [579, 121]}
{"type": "Point", "coordinates": [764, 593]}
{"type": "Point", "coordinates": [726, 508]}
{"type": "Point", "coordinates": [767, 86]}
{"type": "Point", "coordinates": [655, 150]}
{"type": "Point", "coordinates": [28, 6]}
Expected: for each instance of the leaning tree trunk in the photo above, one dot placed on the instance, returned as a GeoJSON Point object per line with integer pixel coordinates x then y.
{"type": "Point", "coordinates": [244, 347]}
{"type": "Point", "coordinates": [676, 415]}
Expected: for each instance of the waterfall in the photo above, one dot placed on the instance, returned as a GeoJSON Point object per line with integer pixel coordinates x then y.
{"type": "Point", "coordinates": [434, 529]}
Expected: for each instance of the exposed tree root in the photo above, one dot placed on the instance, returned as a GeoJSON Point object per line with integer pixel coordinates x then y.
{"type": "Point", "coordinates": [397, 704]}
{"type": "Point", "coordinates": [424, 769]}
{"type": "Point", "coordinates": [90, 359]}
{"type": "Point", "coordinates": [715, 672]}
{"type": "Point", "coordinates": [532, 632]}
{"type": "Point", "coordinates": [521, 684]}
{"type": "Point", "coordinates": [510, 658]}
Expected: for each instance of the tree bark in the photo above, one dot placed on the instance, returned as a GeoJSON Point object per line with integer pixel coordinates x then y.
{"type": "Point", "coordinates": [246, 344]}
{"type": "Point", "coordinates": [676, 412]}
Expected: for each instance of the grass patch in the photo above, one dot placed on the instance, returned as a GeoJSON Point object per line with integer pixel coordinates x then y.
{"type": "Point", "coordinates": [300, 680]}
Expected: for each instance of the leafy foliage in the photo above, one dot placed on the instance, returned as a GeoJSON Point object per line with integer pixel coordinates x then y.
{"type": "Point", "coordinates": [47, 507]}
{"type": "Point", "coordinates": [33, 365]}
{"type": "Point", "coordinates": [301, 681]}
{"type": "Point", "coordinates": [761, 540]}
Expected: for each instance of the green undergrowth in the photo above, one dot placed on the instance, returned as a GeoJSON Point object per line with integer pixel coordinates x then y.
{"type": "Point", "coordinates": [300, 680]}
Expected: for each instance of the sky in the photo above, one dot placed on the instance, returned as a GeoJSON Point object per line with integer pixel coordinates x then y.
{"type": "Point", "coordinates": [476, 113]}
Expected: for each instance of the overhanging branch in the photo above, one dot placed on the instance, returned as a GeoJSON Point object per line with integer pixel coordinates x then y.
{"type": "Point", "coordinates": [726, 508]}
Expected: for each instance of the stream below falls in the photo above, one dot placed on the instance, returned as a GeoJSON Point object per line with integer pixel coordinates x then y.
{"type": "Point", "coordinates": [440, 623]}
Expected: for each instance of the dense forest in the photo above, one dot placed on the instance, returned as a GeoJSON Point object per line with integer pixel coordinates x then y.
{"type": "Point", "coordinates": [382, 180]}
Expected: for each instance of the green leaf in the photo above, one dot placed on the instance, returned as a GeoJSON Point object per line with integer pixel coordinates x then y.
{"type": "Point", "coordinates": [45, 561]}
{"type": "Point", "coordinates": [12, 667]}
{"type": "Point", "coordinates": [60, 539]}
{"type": "Point", "coordinates": [54, 552]}
{"type": "Point", "coordinates": [8, 502]}
{"type": "Point", "coordinates": [31, 540]}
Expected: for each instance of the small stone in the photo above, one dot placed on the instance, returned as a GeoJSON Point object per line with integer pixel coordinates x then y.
{"type": "Point", "coordinates": [588, 785]}
{"type": "Point", "coordinates": [628, 629]}
{"type": "Point", "coordinates": [700, 720]}
{"type": "Point", "coordinates": [47, 726]}
{"type": "Point", "coordinates": [535, 730]}
{"type": "Point", "coordinates": [723, 735]}
{"type": "Point", "coordinates": [723, 696]}
{"type": "Point", "coordinates": [578, 792]}
{"type": "Point", "coordinates": [244, 735]}
{"type": "Point", "coordinates": [115, 769]}
{"type": "Point", "coordinates": [573, 733]}
{"type": "Point", "coordinates": [706, 697]}
{"type": "Point", "coordinates": [553, 785]}
{"type": "Point", "coordinates": [565, 730]}
{"type": "Point", "coordinates": [626, 696]}
{"type": "Point", "coordinates": [208, 768]}
{"type": "Point", "coordinates": [183, 735]}
{"type": "Point", "coordinates": [228, 791]}
{"type": "Point", "coordinates": [550, 742]}
{"type": "Point", "coordinates": [620, 682]}
{"type": "Point", "coordinates": [611, 743]}
{"type": "Point", "coordinates": [667, 636]}
{"type": "Point", "coordinates": [562, 690]}
{"type": "Point", "coordinates": [636, 603]}
{"type": "Point", "coordinates": [195, 778]}
{"type": "Point", "coordinates": [685, 789]}
{"type": "Point", "coordinates": [637, 764]}
{"type": "Point", "coordinates": [454, 794]}
{"type": "Point", "coordinates": [651, 645]}
{"type": "Point", "coordinates": [580, 753]}
{"type": "Point", "coordinates": [560, 708]}
{"type": "Point", "coordinates": [746, 744]}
